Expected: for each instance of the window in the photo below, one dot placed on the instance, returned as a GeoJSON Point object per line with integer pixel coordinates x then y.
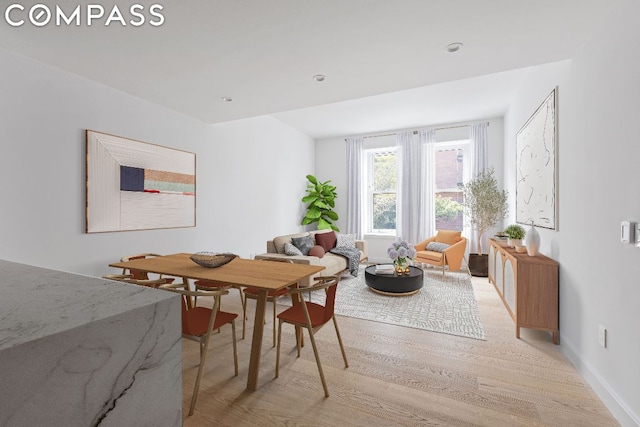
{"type": "Point", "coordinates": [380, 184]}
{"type": "Point", "coordinates": [449, 175]}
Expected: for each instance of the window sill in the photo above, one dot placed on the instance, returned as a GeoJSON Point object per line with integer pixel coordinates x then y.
{"type": "Point", "coordinates": [379, 235]}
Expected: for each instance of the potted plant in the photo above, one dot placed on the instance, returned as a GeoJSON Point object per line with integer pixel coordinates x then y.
{"type": "Point", "coordinates": [515, 234]}
{"type": "Point", "coordinates": [484, 205]}
{"type": "Point", "coordinates": [320, 200]}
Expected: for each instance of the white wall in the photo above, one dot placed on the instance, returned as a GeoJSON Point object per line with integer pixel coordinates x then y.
{"type": "Point", "coordinates": [44, 113]}
{"type": "Point", "coordinates": [331, 163]}
{"type": "Point", "coordinates": [598, 157]}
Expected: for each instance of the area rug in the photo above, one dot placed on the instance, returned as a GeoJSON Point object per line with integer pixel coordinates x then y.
{"type": "Point", "coordinates": [445, 305]}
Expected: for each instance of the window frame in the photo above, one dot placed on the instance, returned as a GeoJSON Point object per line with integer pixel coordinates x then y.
{"type": "Point", "coordinates": [369, 191]}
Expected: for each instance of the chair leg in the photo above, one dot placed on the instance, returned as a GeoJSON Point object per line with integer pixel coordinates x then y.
{"type": "Point", "coordinates": [344, 354]}
{"type": "Point", "coordinates": [235, 347]}
{"type": "Point", "coordinates": [315, 352]}
{"type": "Point", "coordinates": [466, 262]}
{"type": "Point", "coordinates": [273, 301]}
{"type": "Point", "coordinates": [244, 316]}
{"type": "Point", "coordinates": [203, 357]}
{"type": "Point", "coordinates": [278, 349]}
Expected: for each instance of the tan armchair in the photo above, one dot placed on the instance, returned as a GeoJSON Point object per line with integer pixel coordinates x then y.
{"type": "Point", "coordinates": [448, 250]}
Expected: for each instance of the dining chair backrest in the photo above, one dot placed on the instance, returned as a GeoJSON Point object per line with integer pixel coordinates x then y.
{"type": "Point", "coordinates": [131, 279]}
{"type": "Point", "coordinates": [137, 274]}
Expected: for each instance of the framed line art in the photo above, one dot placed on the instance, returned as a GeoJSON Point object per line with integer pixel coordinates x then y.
{"type": "Point", "coordinates": [536, 195]}
{"type": "Point", "coordinates": [135, 185]}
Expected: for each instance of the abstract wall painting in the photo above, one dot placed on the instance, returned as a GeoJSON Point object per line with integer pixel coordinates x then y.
{"type": "Point", "coordinates": [536, 197]}
{"type": "Point", "coordinates": [134, 185]}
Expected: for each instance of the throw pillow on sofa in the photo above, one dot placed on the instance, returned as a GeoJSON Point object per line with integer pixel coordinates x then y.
{"type": "Point", "coordinates": [326, 240]}
{"type": "Point", "coordinates": [289, 249]}
{"type": "Point", "coordinates": [317, 250]}
{"type": "Point", "coordinates": [345, 240]}
{"type": "Point", "coordinates": [303, 243]}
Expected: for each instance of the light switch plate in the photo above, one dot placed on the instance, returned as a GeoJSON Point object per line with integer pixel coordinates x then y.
{"type": "Point", "coordinates": [627, 231]}
{"type": "Point", "coordinates": [637, 236]}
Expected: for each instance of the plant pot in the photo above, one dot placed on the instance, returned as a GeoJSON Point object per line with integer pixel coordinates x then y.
{"type": "Point", "coordinates": [479, 265]}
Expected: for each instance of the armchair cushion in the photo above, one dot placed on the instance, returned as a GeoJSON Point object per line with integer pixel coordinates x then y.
{"type": "Point", "coordinates": [437, 246]}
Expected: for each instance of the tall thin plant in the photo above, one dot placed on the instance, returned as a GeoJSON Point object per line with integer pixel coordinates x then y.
{"type": "Point", "coordinates": [484, 203]}
{"type": "Point", "coordinates": [320, 200]}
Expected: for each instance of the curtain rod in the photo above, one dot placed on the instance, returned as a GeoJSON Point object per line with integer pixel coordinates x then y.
{"type": "Point", "coordinates": [415, 132]}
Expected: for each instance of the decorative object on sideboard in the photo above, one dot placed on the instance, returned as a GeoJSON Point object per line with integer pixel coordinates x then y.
{"type": "Point", "coordinates": [484, 205]}
{"type": "Point", "coordinates": [515, 233]}
{"type": "Point", "coordinates": [532, 240]}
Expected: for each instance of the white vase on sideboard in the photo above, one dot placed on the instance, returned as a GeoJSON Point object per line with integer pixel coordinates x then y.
{"type": "Point", "coordinates": [532, 240]}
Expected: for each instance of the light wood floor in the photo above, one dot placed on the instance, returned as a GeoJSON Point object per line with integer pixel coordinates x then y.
{"type": "Point", "coordinates": [396, 377]}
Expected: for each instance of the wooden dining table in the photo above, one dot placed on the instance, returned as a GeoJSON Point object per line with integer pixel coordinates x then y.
{"type": "Point", "coordinates": [261, 275]}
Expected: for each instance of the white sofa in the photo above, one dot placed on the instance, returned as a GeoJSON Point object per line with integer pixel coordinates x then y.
{"type": "Point", "coordinates": [334, 264]}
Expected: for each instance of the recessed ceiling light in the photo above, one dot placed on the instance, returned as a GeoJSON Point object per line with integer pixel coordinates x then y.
{"type": "Point", "coordinates": [227, 99]}
{"type": "Point", "coordinates": [319, 77]}
{"type": "Point", "coordinates": [454, 47]}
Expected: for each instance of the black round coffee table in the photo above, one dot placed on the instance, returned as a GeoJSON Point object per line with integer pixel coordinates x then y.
{"type": "Point", "coordinates": [392, 284]}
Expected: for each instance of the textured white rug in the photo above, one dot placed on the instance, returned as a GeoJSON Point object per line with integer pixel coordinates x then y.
{"type": "Point", "coordinates": [445, 305]}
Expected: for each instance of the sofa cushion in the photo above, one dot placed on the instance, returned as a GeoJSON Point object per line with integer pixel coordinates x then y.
{"type": "Point", "coordinates": [279, 241]}
{"type": "Point", "coordinates": [437, 246]}
{"type": "Point", "coordinates": [326, 240]}
{"type": "Point", "coordinates": [448, 236]}
{"type": "Point", "coordinates": [290, 249]}
{"type": "Point", "coordinates": [345, 240]}
{"type": "Point", "coordinates": [429, 255]}
{"type": "Point", "coordinates": [317, 250]}
{"type": "Point", "coordinates": [303, 243]}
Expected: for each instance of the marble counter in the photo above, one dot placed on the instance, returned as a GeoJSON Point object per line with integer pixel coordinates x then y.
{"type": "Point", "coordinates": [83, 351]}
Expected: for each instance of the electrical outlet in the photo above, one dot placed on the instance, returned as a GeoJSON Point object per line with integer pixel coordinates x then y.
{"type": "Point", "coordinates": [602, 336]}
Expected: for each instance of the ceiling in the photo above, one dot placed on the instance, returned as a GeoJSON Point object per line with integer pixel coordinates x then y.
{"type": "Point", "coordinates": [385, 61]}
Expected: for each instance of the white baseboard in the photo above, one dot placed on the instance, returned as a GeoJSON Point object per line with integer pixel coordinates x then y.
{"type": "Point", "coordinates": [618, 408]}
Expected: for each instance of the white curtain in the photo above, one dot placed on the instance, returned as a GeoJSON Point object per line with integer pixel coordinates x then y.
{"type": "Point", "coordinates": [478, 162]}
{"type": "Point", "coordinates": [355, 200]}
{"type": "Point", "coordinates": [415, 214]}
{"type": "Point", "coordinates": [427, 140]}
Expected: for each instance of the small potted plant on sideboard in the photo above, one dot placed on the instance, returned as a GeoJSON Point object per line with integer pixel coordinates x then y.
{"type": "Point", "coordinates": [515, 233]}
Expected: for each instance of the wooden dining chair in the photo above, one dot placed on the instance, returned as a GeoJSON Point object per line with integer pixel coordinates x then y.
{"type": "Point", "coordinates": [128, 278]}
{"type": "Point", "coordinates": [272, 296]}
{"type": "Point", "coordinates": [141, 275]}
{"type": "Point", "coordinates": [198, 322]}
{"type": "Point", "coordinates": [312, 316]}
{"type": "Point", "coordinates": [209, 285]}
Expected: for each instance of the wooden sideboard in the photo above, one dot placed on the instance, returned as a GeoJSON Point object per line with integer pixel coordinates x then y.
{"type": "Point", "coordinates": [528, 286]}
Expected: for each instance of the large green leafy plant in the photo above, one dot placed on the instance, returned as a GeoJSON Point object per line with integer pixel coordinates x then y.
{"type": "Point", "coordinates": [484, 203]}
{"type": "Point", "coordinates": [320, 200]}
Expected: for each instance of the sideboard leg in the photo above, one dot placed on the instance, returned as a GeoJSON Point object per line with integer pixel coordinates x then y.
{"type": "Point", "coordinates": [518, 332]}
{"type": "Point", "coordinates": [556, 337]}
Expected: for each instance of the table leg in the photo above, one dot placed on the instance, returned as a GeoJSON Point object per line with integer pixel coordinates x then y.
{"type": "Point", "coordinates": [256, 344]}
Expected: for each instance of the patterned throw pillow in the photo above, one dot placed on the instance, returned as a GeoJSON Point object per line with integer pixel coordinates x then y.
{"type": "Point", "coordinates": [437, 246]}
{"type": "Point", "coordinates": [289, 249]}
{"type": "Point", "coordinates": [303, 243]}
{"type": "Point", "coordinates": [345, 240]}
